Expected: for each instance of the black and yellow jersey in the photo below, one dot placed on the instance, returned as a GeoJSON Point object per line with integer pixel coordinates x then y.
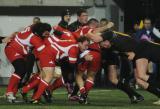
{"type": "Point", "coordinates": [142, 49]}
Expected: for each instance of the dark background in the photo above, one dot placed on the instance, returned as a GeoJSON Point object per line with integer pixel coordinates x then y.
{"type": "Point", "coordinates": [136, 10]}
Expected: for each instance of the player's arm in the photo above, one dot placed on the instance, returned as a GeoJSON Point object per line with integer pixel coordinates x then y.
{"type": "Point", "coordinates": [7, 38]}
{"type": "Point", "coordinates": [104, 28]}
{"type": "Point", "coordinates": [1, 39]}
{"type": "Point", "coordinates": [94, 37]}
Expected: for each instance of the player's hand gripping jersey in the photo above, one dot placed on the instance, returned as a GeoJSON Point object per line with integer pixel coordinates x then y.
{"type": "Point", "coordinates": [63, 33]}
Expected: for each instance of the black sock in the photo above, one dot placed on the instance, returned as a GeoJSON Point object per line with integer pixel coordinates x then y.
{"type": "Point", "coordinates": [75, 90]}
{"type": "Point", "coordinates": [154, 90]}
{"type": "Point", "coordinates": [151, 80]}
{"type": "Point", "coordinates": [135, 93]}
{"type": "Point", "coordinates": [125, 89]}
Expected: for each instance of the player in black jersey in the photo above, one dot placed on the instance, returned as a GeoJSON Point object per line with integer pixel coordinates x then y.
{"type": "Point", "coordinates": [141, 52]}
{"type": "Point", "coordinates": [111, 61]}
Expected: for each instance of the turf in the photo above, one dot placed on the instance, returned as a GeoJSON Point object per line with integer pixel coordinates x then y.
{"type": "Point", "coordinates": [99, 99]}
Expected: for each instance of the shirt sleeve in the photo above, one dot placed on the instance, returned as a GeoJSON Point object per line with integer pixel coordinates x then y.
{"type": "Point", "coordinates": [37, 43]}
{"type": "Point", "coordinates": [73, 54]}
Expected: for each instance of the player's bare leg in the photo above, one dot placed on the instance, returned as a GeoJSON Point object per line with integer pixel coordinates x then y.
{"type": "Point", "coordinates": [123, 86]}
{"type": "Point", "coordinates": [47, 74]}
{"type": "Point", "coordinates": [143, 79]}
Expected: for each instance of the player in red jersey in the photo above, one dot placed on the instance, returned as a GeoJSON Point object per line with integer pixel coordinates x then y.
{"type": "Point", "coordinates": [17, 50]}
{"type": "Point", "coordinates": [56, 49]}
{"type": "Point", "coordinates": [30, 61]}
{"type": "Point", "coordinates": [80, 28]}
{"type": "Point", "coordinates": [61, 31]}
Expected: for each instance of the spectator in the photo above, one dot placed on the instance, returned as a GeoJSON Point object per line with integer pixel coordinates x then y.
{"type": "Point", "coordinates": [146, 33]}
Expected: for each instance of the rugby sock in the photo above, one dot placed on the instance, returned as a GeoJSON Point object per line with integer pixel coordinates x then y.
{"type": "Point", "coordinates": [82, 90]}
{"type": "Point", "coordinates": [131, 92]}
{"type": "Point", "coordinates": [154, 90]}
{"type": "Point", "coordinates": [34, 91]}
{"type": "Point", "coordinates": [32, 84]}
{"type": "Point", "coordinates": [75, 90]}
{"type": "Point", "coordinates": [15, 90]}
{"type": "Point", "coordinates": [56, 84]}
{"type": "Point", "coordinates": [34, 76]}
{"type": "Point", "coordinates": [43, 85]}
{"type": "Point", "coordinates": [88, 85]}
{"type": "Point", "coordinates": [13, 83]}
{"type": "Point", "coordinates": [125, 88]}
{"type": "Point", "coordinates": [151, 80]}
{"type": "Point", "coordinates": [135, 93]}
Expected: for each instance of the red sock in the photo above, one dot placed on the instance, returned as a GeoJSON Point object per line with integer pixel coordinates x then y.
{"type": "Point", "coordinates": [15, 90]}
{"type": "Point", "coordinates": [34, 76]}
{"type": "Point", "coordinates": [34, 91]}
{"type": "Point", "coordinates": [13, 83]}
{"type": "Point", "coordinates": [32, 84]}
{"type": "Point", "coordinates": [56, 84]}
{"type": "Point", "coordinates": [41, 88]}
{"type": "Point", "coordinates": [82, 90]}
{"type": "Point", "coordinates": [88, 85]}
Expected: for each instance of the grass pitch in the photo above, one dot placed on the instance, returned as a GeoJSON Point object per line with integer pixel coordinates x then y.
{"type": "Point", "coordinates": [98, 98]}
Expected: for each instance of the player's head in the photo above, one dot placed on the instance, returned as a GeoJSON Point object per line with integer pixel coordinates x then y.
{"type": "Point", "coordinates": [36, 20]}
{"type": "Point", "coordinates": [93, 23]}
{"type": "Point", "coordinates": [103, 22]}
{"type": "Point", "coordinates": [82, 16]}
{"type": "Point", "coordinates": [66, 15]}
{"type": "Point", "coordinates": [83, 43]}
{"type": "Point", "coordinates": [108, 35]}
{"type": "Point", "coordinates": [41, 29]}
{"type": "Point", "coordinates": [105, 44]}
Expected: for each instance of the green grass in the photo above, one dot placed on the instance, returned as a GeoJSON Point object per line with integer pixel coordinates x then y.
{"type": "Point", "coordinates": [99, 99]}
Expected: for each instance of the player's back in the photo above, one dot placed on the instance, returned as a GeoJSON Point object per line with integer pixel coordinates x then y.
{"type": "Point", "coordinates": [149, 50]}
{"type": "Point", "coordinates": [63, 46]}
